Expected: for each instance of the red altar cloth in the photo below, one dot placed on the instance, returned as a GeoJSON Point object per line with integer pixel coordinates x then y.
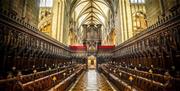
{"type": "Point", "coordinates": [82, 47]}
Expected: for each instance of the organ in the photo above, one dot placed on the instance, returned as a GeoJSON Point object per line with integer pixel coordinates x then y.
{"type": "Point", "coordinates": [92, 36]}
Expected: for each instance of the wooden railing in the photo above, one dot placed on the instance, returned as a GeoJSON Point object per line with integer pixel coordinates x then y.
{"type": "Point", "coordinates": [52, 80]}
{"type": "Point", "coordinates": [33, 76]}
{"type": "Point", "coordinates": [140, 80]}
{"type": "Point", "coordinates": [42, 80]}
{"type": "Point", "coordinates": [65, 85]}
{"type": "Point", "coordinates": [121, 85]}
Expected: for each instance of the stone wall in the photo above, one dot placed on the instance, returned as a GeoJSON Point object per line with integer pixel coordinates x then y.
{"type": "Point", "coordinates": [26, 9]}
{"type": "Point", "coordinates": [157, 9]}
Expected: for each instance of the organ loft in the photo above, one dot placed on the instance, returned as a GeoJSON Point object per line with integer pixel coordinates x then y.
{"type": "Point", "coordinates": [92, 37]}
{"type": "Point", "coordinates": [89, 45]}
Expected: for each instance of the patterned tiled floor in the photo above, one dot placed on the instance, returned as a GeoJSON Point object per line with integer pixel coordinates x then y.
{"type": "Point", "coordinates": [92, 81]}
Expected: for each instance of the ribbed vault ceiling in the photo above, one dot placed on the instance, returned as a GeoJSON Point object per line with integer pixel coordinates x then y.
{"type": "Point", "coordinates": [91, 11]}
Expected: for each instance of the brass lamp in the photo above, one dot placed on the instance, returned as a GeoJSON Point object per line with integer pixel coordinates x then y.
{"type": "Point", "coordinates": [131, 78]}
{"type": "Point", "coordinates": [34, 71]}
{"type": "Point", "coordinates": [150, 71]}
{"type": "Point", "coordinates": [54, 78]}
{"type": "Point", "coordinates": [120, 74]}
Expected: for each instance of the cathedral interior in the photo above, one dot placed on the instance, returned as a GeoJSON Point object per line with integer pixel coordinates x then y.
{"type": "Point", "coordinates": [89, 45]}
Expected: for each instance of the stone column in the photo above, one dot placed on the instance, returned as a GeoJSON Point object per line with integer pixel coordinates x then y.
{"type": "Point", "coordinates": [84, 33]}
{"type": "Point", "coordinates": [58, 19]}
{"type": "Point", "coordinates": [99, 31]}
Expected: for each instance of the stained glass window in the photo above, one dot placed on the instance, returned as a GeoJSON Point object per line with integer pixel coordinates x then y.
{"type": "Point", "coordinates": [46, 3]}
{"type": "Point", "coordinates": [137, 1]}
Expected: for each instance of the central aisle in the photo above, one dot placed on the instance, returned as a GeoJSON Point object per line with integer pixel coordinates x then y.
{"type": "Point", "coordinates": [92, 81]}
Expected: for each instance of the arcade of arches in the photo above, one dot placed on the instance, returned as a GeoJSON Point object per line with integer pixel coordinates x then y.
{"type": "Point", "coordinates": [89, 45]}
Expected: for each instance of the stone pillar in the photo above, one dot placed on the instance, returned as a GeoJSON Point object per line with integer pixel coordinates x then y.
{"type": "Point", "coordinates": [58, 19]}
{"type": "Point", "coordinates": [84, 33]}
{"type": "Point", "coordinates": [99, 32]}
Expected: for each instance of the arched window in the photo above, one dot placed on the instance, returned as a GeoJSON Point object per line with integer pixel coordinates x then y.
{"type": "Point", "coordinates": [139, 22]}
{"type": "Point", "coordinates": [137, 1]}
{"type": "Point", "coordinates": [46, 3]}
